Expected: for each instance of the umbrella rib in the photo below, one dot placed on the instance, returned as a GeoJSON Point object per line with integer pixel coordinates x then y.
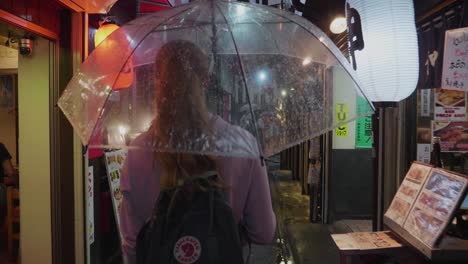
{"type": "Point", "coordinates": [219, 23]}
{"type": "Point", "coordinates": [126, 61]}
{"type": "Point", "coordinates": [245, 82]}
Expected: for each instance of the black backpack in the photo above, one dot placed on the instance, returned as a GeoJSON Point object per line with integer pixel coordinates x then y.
{"type": "Point", "coordinates": [191, 223]}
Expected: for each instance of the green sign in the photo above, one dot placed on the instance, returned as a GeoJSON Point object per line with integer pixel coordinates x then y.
{"type": "Point", "coordinates": [363, 124]}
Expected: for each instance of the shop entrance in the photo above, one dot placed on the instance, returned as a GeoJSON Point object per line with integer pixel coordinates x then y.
{"type": "Point", "coordinates": [25, 82]}
{"type": "Point", "coordinates": [9, 207]}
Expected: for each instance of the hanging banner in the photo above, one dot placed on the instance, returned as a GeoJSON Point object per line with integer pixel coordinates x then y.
{"type": "Point", "coordinates": [114, 163]}
{"type": "Point", "coordinates": [90, 205]}
{"type": "Point", "coordinates": [344, 109]}
{"type": "Point", "coordinates": [431, 56]}
{"type": "Point", "coordinates": [455, 66]}
{"type": "Point", "coordinates": [453, 135]}
{"type": "Point", "coordinates": [425, 102]}
{"type": "Point", "coordinates": [450, 105]}
{"type": "Point", "coordinates": [363, 124]}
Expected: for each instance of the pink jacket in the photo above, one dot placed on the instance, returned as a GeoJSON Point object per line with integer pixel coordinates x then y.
{"type": "Point", "coordinates": [248, 194]}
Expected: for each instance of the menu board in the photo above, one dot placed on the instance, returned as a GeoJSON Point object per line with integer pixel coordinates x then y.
{"type": "Point", "coordinates": [114, 163]}
{"type": "Point", "coordinates": [435, 205]}
{"type": "Point", "coordinates": [365, 241]}
{"type": "Point", "coordinates": [455, 65]}
{"type": "Point", "coordinates": [408, 192]}
{"type": "Point", "coordinates": [426, 200]}
{"type": "Point", "coordinates": [453, 135]}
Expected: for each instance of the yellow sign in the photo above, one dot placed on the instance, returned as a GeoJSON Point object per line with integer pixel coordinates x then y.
{"type": "Point", "coordinates": [341, 111]}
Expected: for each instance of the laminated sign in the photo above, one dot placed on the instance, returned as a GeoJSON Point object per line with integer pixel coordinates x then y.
{"type": "Point", "coordinates": [90, 199]}
{"type": "Point", "coordinates": [363, 125]}
{"type": "Point", "coordinates": [425, 102]}
{"type": "Point", "coordinates": [114, 163]}
{"type": "Point", "coordinates": [341, 116]}
{"type": "Point", "coordinates": [455, 66]}
{"type": "Point", "coordinates": [453, 135]}
{"type": "Point", "coordinates": [449, 105]}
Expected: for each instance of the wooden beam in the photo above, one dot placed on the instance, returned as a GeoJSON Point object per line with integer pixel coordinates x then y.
{"type": "Point", "coordinates": [435, 10]}
{"type": "Point", "coordinates": [27, 25]}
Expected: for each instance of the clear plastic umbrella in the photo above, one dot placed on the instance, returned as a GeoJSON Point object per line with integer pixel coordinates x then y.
{"type": "Point", "coordinates": [179, 80]}
{"type": "Point", "coordinates": [99, 6]}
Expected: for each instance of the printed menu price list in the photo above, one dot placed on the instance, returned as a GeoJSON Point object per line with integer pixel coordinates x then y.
{"type": "Point", "coordinates": [426, 202]}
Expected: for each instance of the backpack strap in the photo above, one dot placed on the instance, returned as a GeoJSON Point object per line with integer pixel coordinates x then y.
{"type": "Point", "coordinates": [203, 176]}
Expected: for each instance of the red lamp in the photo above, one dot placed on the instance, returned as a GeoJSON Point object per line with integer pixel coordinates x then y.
{"type": "Point", "coordinates": [103, 32]}
{"type": "Point", "coordinates": [124, 78]}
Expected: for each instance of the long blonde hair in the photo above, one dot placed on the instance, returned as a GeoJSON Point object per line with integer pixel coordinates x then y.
{"type": "Point", "coordinates": [181, 71]}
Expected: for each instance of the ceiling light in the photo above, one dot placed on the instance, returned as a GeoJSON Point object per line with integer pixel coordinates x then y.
{"type": "Point", "coordinates": [338, 25]}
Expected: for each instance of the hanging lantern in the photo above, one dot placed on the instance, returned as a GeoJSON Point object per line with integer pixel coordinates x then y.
{"type": "Point", "coordinates": [103, 32]}
{"type": "Point", "coordinates": [383, 47]}
{"type": "Point", "coordinates": [125, 77]}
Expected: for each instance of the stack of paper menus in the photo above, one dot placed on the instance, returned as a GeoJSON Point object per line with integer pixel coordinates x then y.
{"type": "Point", "coordinates": [426, 201]}
{"type": "Point", "coordinates": [366, 241]}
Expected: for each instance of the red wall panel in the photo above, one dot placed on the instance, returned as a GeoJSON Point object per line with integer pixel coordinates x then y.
{"type": "Point", "coordinates": [149, 8]}
{"type": "Point", "coordinates": [42, 13]}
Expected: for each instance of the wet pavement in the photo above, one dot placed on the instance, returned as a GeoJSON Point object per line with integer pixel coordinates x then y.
{"type": "Point", "coordinates": [303, 241]}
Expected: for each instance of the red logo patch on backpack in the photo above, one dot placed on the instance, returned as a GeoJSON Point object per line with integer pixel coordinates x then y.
{"type": "Point", "coordinates": [187, 250]}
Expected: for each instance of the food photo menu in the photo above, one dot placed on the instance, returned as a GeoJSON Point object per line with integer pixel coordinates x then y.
{"type": "Point", "coordinates": [426, 200]}
{"type": "Point", "coordinates": [408, 192]}
{"type": "Point", "coordinates": [453, 135]}
{"type": "Point", "coordinates": [435, 205]}
{"type": "Point", "coordinates": [114, 163]}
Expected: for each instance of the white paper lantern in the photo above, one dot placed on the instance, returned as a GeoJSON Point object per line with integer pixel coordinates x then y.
{"type": "Point", "coordinates": [387, 63]}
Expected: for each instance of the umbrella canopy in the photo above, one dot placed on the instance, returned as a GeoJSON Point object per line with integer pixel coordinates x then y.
{"type": "Point", "coordinates": [193, 69]}
{"type": "Point", "coordinates": [99, 6]}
